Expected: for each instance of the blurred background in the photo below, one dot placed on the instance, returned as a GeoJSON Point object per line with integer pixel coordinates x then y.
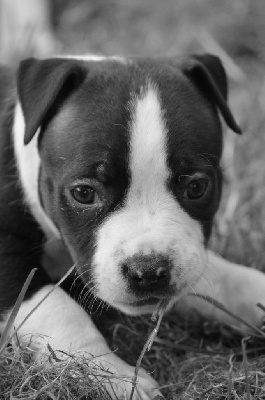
{"type": "Point", "coordinates": [232, 29]}
{"type": "Point", "coordinates": [141, 27]}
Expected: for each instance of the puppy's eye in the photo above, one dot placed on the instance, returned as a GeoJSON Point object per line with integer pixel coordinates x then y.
{"type": "Point", "coordinates": [196, 189]}
{"type": "Point", "coordinates": [84, 194]}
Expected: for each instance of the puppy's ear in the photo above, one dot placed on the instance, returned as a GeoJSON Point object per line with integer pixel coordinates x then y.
{"type": "Point", "coordinates": [42, 85]}
{"type": "Point", "coordinates": [208, 74]}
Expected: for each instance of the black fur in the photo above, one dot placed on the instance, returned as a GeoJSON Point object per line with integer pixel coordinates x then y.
{"type": "Point", "coordinates": [20, 237]}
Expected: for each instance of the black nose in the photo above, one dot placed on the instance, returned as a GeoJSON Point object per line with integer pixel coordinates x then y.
{"type": "Point", "coordinates": [147, 273]}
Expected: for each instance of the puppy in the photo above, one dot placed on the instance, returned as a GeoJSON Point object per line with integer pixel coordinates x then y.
{"type": "Point", "coordinates": [117, 161]}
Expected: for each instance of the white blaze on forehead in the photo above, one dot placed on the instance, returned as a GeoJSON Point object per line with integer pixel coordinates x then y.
{"type": "Point", "coordinates": [94, 57]}
{"type": "Point", "coordinates": [148, 167]}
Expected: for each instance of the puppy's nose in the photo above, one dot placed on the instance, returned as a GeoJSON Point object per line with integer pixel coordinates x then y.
{"type": "Point", "coordinates": [147, 273]}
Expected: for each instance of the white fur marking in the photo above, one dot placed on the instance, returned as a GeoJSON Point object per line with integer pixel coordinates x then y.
{"type": "Point", "coordinates": [149, 171]}
{"type": "Point", "coordinates": [28, 164]}
{"type": "Point", "coordinates": [60, 321]}
{"type": "Point", "coordinates": [94, 57]}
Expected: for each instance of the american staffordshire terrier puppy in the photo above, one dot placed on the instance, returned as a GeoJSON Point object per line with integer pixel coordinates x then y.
{"type": "Point", "coordinates": [117, 161]}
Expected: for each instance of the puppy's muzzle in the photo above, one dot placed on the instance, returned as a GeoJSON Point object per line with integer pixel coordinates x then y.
{"type": "Point", "coordinates": [148, 274]}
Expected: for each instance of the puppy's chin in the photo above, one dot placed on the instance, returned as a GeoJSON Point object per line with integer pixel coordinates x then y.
{"type": "Point", "coordinates": [136, 308]}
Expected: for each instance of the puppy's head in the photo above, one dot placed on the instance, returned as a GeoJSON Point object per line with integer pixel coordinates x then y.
{"type": "Point", "coordinates": [129, 171]}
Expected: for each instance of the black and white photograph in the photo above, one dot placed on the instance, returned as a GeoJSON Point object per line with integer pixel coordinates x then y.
{"type": "Point", "coordinates": [132, 200]}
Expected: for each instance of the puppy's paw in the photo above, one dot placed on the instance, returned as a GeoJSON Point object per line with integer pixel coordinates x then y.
{"type": "Point", "coordinates": [237, 288]}
{"type": "Point", "coordinates": [121, 380]}
{"type": "Point", "coordinates": [115, 375]}
{"type": "Point", "coordinates": [247, 293]}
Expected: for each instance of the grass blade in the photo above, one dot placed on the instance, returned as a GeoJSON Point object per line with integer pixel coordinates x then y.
{"type": "Point", "coordinates": [219, 305]}
{"type": "Point", "coordinates": [5, 337]}
{"type": "Point", "coordinates": [43, 299]}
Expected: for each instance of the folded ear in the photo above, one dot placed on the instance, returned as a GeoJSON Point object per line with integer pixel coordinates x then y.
{"type": "Point", "coordinates": [43, 84]}
{"type": "Point", "coordinates": [208, 74]}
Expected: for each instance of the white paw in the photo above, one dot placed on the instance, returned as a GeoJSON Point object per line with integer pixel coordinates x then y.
{"type": "Point", "coordinates": [121, 377]}
{"type": "Point", "coordinates": [237, 288]}
{"type": "Point", "coordinates": [247, 294]}
{"type": "Point", "coordinates": [118, 376]}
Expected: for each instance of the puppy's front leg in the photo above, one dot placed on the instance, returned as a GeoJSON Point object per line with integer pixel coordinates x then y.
{"type": "Point", "coordinates": [237, 287]}
{"type": "Point", "coordinates": [63, 324]}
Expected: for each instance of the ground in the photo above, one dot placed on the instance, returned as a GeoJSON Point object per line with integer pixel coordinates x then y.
{"type": "Point", "coordinates": [191, 359]}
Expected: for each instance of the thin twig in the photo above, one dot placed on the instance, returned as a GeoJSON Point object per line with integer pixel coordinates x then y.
{"type": "Point", "coordinates": [230, 377]}
{"type": "Point", "coordinates": [245, 363]}
{"type": "Point", "coordinates": [159, 312]}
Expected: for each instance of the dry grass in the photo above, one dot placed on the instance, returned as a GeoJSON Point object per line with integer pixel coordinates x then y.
{"type": "Point", "coordinates": [22, 378]}
{"type": "Point", "coordinates": [190, 358]}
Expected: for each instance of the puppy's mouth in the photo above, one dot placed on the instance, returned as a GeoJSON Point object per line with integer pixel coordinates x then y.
{"type": "Point", "coordinates": [150, 301]}
{"type": "Point", "coordinates": [145, 305]}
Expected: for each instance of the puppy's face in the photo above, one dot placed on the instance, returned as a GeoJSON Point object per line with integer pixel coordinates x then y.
{"type": "Point", "coordinates": [130, 176]}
